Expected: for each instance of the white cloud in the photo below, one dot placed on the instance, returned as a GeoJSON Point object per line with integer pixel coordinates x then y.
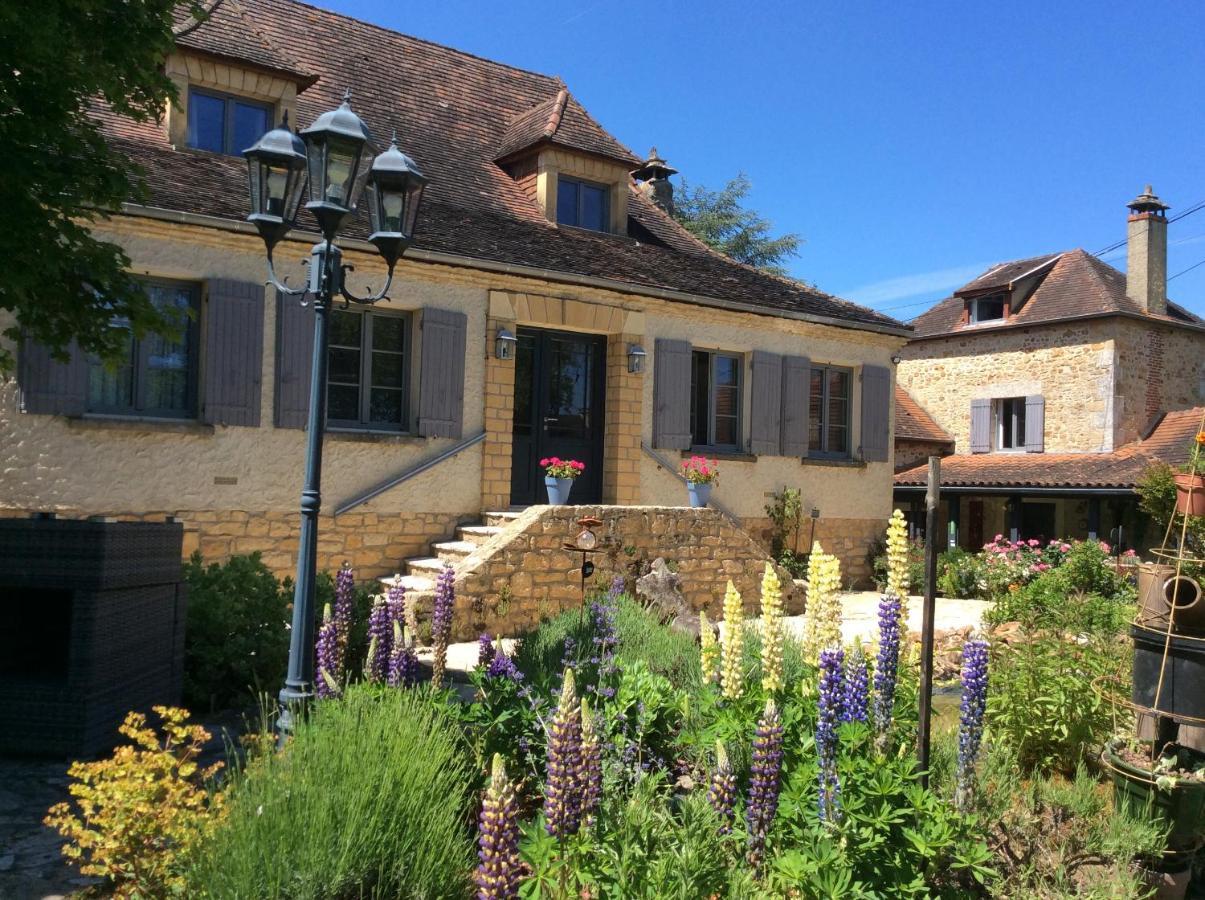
{"type": "Point", "coordinates": [904, 286]}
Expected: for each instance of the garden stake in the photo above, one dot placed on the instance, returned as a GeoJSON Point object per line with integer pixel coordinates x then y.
{"type": "Point", "coordinates": [926, 633]}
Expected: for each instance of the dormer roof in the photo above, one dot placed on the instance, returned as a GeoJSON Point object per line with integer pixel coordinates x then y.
{"type": "Point", "coordinates": [227, 31]}
{"type": "Point", "coordinates": [561, 120]}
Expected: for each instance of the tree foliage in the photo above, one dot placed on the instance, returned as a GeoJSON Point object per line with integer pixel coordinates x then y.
{"type": "Point", "coordinates": [721, 220]}
{"type": "Point", "coordinates": [63, 62]}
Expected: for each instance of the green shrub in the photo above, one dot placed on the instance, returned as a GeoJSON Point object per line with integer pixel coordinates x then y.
{"type": "Point", "coordinates": [960, 574]}
{"type": "Point", "coordinates": [916, 564]}
{"type": "Point", "coordinates": [237, 635]}
{"type": "Point", "coordinates": [371, 798]}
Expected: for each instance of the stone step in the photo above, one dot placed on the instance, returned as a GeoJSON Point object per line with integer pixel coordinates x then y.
{"type": "Point", "coordinates": [453, 551]}
{"type": "Point", "coordinates": [411, 584]}
{"type": "Point", "coordinates": [477, 534]}
{"type": "Point", "coordinates": [501, 518]}
{"type": "Point", "coordinates": [428, 567]}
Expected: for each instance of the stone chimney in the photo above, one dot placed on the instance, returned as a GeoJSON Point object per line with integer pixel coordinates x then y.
{"type": "Point", "coordinates": [654, 181]}
{"type": "Point", "coordinates": [1146, 252]}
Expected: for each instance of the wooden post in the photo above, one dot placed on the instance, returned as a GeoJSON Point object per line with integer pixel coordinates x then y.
{"type": "Point", "coordinates": [932, 498]}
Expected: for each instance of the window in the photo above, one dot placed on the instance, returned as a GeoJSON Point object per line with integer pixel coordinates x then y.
{"type": "Point", "coordinates": [715, 400]}
{"type": "Point", "coordinates": [828, 418]}
{"type": "Point", "coordinates": [1010, 423]}
{"type": "Point", "coordinates": [156, 375]}
{"type": "Point", "coordinates": [225, 124]}
{"type": "Point", "coordinates": [583, 204]}
{"type": "Point", "coordinates": [366, 381]}
{"type": "Point", "coordinates": [986, 309]}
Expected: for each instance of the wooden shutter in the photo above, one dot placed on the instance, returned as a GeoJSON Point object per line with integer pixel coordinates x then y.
{"type": "Point", "coordinates": [1035, 423]}
{"type": "Point", "coordinates": [796, 404]}
{"type": "Point", "coordinates": [294, 361]}
{"type": "Point", "coordinates": [981, 426]}
{"type": "Point", "coordinates": [234, 352]}
{"type": "Point", "coordinates": [765, 410]}
{"type": "Point", "coordinates": [876, 413]}
{"type": "Point", "coordinates": [441, 373]}
{"type": "Point", "coordinates": [49, 386]}
{"type": "Point", "coordinates": [671, 394]}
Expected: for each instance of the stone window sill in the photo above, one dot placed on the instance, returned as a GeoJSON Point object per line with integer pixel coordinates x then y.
{"type": "Point", "coordinates": [834, 463]}
{"type": "Point", "coordinates": [139, 424]}
{"type": "Point", "coordinates": [727, 455]}
{"type": "Point", "coordinates": [373, 436]}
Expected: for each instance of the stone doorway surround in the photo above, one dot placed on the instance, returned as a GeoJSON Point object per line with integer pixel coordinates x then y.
{"type": "Point", "coordinates": [624, 394]}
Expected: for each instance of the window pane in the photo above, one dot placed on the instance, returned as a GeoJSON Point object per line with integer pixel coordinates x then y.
{"type": "Point", "coordinates": [112, 389]}
{"type": "Point", "coordinates": [167, 360]}
{"type": "Point", "coordinates": [344, 366]}
{"type": "Point", "coordinates": [815, 409]}
{"type": "Point", "coordinates": [385, 406]}
{"type": "Point", "coordinates": [838, 385]}
{"type": "Point", "coordinates": [343, 402]}
{"type": "Point", "coordinates": [727, 401]}
{"type": "Point", "coordinates": [206, 122]}
{"type": "Point", "coordinates": [700, 394]}
{"type": "Point", "coordinates": [250, 123]}
{"type": "Point", "coordinates": [386, 369]}
{"type": "Point", "coordinates": [566, 202]}
{"type": "Point", "coordinates": [345, 328]}
{"type": "Point", "coordinates": [594, 208]}
{"type": "Point", "coordinates": [388, 333]}
{"type": "Point", "coordinates": [838, 439]}
{"type": "Point", "coordinates": [727, 370]}
{"type": "Point", "coordinates": [725, 431]}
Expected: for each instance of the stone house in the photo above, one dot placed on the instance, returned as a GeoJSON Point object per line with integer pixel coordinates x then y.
{"type": "Point", "coordinates": [546, 269]}
{"type": "Point", "coordinates": [1056, 380]}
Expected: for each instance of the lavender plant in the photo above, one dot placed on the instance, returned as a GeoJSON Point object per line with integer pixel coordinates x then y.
{"type": "Point", "coordinates": [441, 621]}
{"type": "Point", "coordinates": [604, 641]}
{"type": "Point", "coordinates": [562, 799]}
{"type": "Point", "coordinates": [764, 782]}
{"type": "Point", "coordinates": [886, 668]}
{"type": "Point", "coordinates": [855, 701]}
{"type": "Point", "coordinates": [970, 720]}
{"type": "Point", "coordinates": [721, 791]}
{"type": "Point", "coordinates": [499, 868]}
{"type": "Point", "coordinates": [485, 650]}
{"type": "Point", "coordinates": [380, 641]}
{"type": "Point", "coordinates": [403, 664]}
{"type": "Point", "coordinates": [326, 651]}
{"type": "Point", "coordinates": [828, 714]}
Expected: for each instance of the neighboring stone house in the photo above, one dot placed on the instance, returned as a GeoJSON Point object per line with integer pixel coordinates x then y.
{"type": "Point", "coordinates": [538, 225]}
{"type": "Point", "coordinates": [1058, 378]}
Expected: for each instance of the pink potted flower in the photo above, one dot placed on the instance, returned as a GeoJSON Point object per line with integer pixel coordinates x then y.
{"type": "Point", "coordinates": [558, 477]}
{"type": "Point", "coordinates": [700, 475]}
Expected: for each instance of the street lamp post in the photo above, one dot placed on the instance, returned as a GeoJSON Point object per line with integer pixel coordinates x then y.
{"type": "Point", "coordinates": [329, 156]}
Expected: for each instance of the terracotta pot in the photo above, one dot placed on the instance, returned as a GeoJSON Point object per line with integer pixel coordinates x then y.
{"type": "Point", "coordinates": [1190, 494]}
{"type": "Point", "coordinates": [1160, 591]}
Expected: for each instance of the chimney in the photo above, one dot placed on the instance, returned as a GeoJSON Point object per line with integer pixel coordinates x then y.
{"type": "Point", "coordinates": [654, 181]}
{"type": "Point", "coordinates": [1146, 252]}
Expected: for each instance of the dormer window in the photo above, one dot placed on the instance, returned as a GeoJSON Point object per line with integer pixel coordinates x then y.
{"type": "Point", "coordinates": [224, 123]}
{"type": "Point", "coordinates": [583, 204]}
{"type": "Point", "coordinates": [985, 309]}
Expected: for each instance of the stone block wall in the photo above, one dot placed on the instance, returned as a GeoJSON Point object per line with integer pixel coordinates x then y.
{"type": "Point", "coordinates": [525, 575]}
{"type": "Point", "coordinates": [847, 539]}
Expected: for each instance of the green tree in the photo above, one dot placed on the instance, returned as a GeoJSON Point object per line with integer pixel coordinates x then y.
{"type": "Point", "coordinates": [65, 60]}
{"type": "Point", "coordinates": [721, 220]}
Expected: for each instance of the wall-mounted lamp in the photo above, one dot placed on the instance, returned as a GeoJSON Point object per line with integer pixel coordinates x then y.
{"type": "Point", "coordinates": [504, 344]}
{"type": "Point", "coordinates": [636, 357]}
{"type": "Point", "coordinates": [896, 359]}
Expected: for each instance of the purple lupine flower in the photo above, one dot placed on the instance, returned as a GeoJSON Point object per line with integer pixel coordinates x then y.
{"type": "Point", "coordinates": [855, 700]}
{"type": "Point", "coordinates": [827, 716]}
{"type": "Point", "coordinates": [499, 869]}
{"type": "Point", "coordinates": [380, 641]}
{"type": "Point", "coordinates": [403, 664]}
{"type": "Point", "coordinates": [485, 650]}
{"type": "Point", "coordinates": [764, 781]}
{"type": "Point", "coordinates": [970, 720]}
{"type": "Point", "coordinates": [886, 667]}
{"type": "Point", "coordinates": [591, 767]}
{"type": "Point", "coordinates": [345, 598]}
{"type": "Point", "coordinates": [502, 666]}
{"type": "Point", "coordinates": [441, 621]}
{"type": "Point", "coordinates": [396, 598]}
{"type": "Point", "coordinates": [326, 651]}
{"type": "Point", "coordinates": [721, 791]}
{"type": "Point", "coordinates": [562, 810]}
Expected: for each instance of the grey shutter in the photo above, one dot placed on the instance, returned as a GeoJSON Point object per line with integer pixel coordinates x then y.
{"type": "Point", "coordinates": [294, 361]}
{"type": "Point", "coordinates": [876, 413]}
{"type": "Point", "coordinates": [765, 410]}
{"type": "Point", "coordinates": [796, 404]}
{"type": "Point", "coordinates": [234, 352]}
{"type": "Point", "coordinates": [671, 394]}
{"type": "Point", "coordinates": [1035, 423]}
{"type": "Point", "coordinates": [981, 426]}
{"type": "Point", "coordinates": [441, 373]}
{"type": "Point", "coordinates": [49, 386]}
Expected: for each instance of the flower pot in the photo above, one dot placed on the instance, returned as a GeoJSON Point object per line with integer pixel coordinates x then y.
{"type": "Point", "coordinates": [1183, 691]}
{"type": "Point", "coordinates": [1168, 885]}
{"type": "Point", "coordinates": [1190, 494]}
{"type": "Point", "coordinates": [699, 492]}
{"type": "Point", "coordinates": [1182, 807]}
{"type": "Point", "coordinates": [1160, 590]}
{"type": "Point", "coordinates": [558, 489]}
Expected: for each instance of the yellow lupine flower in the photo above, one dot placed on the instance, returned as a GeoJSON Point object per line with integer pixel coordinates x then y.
{"type": "Point", "coordinates": [771, 630]}
{"type": "Point", "coordinates": [897, 556]}
{"type": "Point", "coordinates": [709, 650]}
{"type": "Point", "coordinates": [822, 618]}
{"type": "Point", "coordinates": [733, 644]}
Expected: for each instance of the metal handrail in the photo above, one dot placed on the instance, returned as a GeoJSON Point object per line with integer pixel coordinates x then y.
{"type": "Point", "coordinates": [408, 474]}
{"type": "Point", "coordinates": [665, 464]}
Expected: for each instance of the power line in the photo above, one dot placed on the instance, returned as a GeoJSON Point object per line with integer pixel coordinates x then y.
{"type": "Point", "coordinates": [1189, 269]}
{"type": "Point", "coordinates": [1196, 207]}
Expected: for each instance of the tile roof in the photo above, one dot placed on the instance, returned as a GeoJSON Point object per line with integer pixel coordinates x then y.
{"type": "Point", "coordinates": [1076, 284]}
{"type": "Point", "coordinates": [564, 121]}
{"type": "Point", "coordinates": [1120, 470]}
{"type": "Point", "coordinates": [453, 113]}
{"type": "Point", "coordinates": [912, 423]}
{"type": "Point", "coordinates": [226, 30]}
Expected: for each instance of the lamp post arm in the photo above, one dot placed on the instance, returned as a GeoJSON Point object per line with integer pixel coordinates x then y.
{"type": "Point", "coordinates": [282, 285]}
{"type": "Point", "coordinates": [382, 294]}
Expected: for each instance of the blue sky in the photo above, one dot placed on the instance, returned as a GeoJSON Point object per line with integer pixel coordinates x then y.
{"type": "Point", "coordinates": [910, 144]}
